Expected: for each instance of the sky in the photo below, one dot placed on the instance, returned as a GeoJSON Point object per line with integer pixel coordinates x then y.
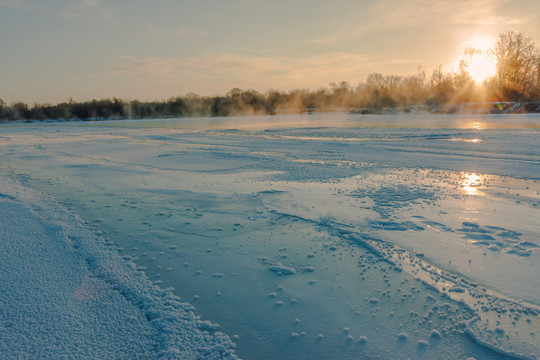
{"type": "Point", "coordinates": [54, 50]}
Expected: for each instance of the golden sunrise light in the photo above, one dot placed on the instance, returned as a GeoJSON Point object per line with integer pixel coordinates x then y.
{"type": "Point", "coordinates": [481, 66]}
{"type": "Point", "coordinates": [476, 57]}
{"type": "Point", "coordinates": [283, 179]}
{"type": "Point", "coordinates": [470, 182]}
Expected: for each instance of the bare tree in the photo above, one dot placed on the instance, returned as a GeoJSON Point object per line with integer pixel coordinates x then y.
{"type": "Point", "coordinates": [517, 62]}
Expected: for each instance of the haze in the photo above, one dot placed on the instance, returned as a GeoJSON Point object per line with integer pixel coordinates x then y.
{"type": "Point", "coordinates": [55, 50]}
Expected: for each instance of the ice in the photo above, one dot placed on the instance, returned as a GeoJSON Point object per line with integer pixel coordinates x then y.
{"type": "Point", "coordinates": [403, 336]}
{"type": "Point", "coordinates": [291, 229]}
{"type": "Point", "coordinates": [281, 269]}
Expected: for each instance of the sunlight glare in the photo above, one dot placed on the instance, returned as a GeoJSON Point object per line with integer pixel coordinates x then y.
{"type": "Point", "coordinates": [481, 67]}
{"type": "Point", "coordinates": [470, 182]}
{"type": "Point", "coordinates": [476, 126]}
{"type": "Point", "coordinates": [479, 64]}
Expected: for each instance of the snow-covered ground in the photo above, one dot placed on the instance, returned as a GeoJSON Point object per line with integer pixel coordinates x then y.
{"type": "Point", "coordinates": [66, 294]}
{"type": "Point", "coordinates": [304, 237]}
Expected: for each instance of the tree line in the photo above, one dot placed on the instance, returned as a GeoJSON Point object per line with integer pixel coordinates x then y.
{"type": "Point", "coordinates": [517, 79]}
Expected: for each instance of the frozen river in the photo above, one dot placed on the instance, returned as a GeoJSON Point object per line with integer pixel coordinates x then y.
{"type": "Point", "coordinates": [328, 236]}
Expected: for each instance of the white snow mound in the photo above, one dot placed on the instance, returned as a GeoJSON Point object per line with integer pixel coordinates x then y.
{"type": "Point", "coordinates": [65, 294]}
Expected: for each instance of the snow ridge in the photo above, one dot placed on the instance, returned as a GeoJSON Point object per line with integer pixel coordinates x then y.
{"type": "Point", "coordinates": [177, 332]}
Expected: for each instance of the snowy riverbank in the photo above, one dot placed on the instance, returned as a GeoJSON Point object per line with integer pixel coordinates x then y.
{"type": "Point", "coordinates": [65, 294]}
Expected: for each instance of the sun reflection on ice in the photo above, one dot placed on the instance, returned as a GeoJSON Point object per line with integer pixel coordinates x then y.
{"type": "Point", "coordinates": [477, 126]}
{"type": "Point", "coordinates": [470, 182]}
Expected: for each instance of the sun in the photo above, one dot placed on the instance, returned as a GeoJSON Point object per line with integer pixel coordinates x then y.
{"type": "Point", "coordinates": [481, 66]}
{"type": "Point", "coordinates": [478, 63]}
{"type": "Point", "coordinates": [476, 59]}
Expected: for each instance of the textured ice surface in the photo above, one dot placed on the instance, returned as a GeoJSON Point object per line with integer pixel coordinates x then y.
{"type": "Point", "coordinates": [328, 236]}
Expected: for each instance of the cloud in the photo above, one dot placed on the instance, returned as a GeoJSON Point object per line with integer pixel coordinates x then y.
{"type": "Point", "coordinates": [187, 33]}
{"type": "Point", "coordinates": [225, 70]}
{"type": "Point", "coordinates": [407, 29]}
{"type": "Point", "coordinates": [154, 32]}
{"type": "Point", "coordinates": [329, 39]}
{"type": "Point", "coordinates": [433, 16]}
{"type": "Point", "coordinates": [17, 4]}
{"type": "Point", "coordinates": [85, 8]}
{"type": "Point", "coordinates": [398, 14]}
{"type": "Point", "coordinates": [156, 66]}
{"type": "Point", "coordinates": [391, 16]}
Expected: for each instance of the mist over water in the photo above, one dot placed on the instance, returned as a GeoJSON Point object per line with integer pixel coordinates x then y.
{"type": "Point", "coordinates": [331, 120]}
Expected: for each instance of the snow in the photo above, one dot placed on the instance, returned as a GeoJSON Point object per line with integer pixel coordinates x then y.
{"type": "Point", "coordinates": [66, 295]}
{"type": "Point", "coordinates": [418, 234]}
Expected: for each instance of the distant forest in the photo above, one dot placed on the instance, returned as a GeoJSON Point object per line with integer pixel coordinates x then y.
{"type": "Point", "coordinates": [517, 80]}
